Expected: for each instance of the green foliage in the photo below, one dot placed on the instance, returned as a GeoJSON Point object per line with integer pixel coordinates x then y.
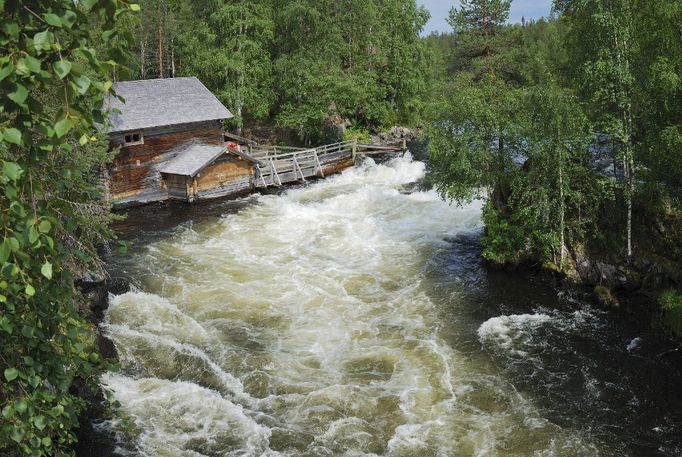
{"type": "Point", "coordinates": [658, 69]}
{"type": "Point", "coordinates": [310, 65]}
{"type": "Point", "coordinates": [476, 127]}
{"type": "Point", "coordinates": [479, 16]}
{"type": "Point", "coordinates": [671, 311]}
{"type": "Point", "coordinates": [503, 241]}
{"type": "Point", "coordinates": [556, 195]}
{"type": "Point", "coordinates": [549, 121]}
{"type": "Point", "coordinates": [605, 296]}
{"type": "Point", "coordinates": [228, 48]}
{"type": "Point", "coordinates": [56, 83]}
{"type": "Point", "coordinates": [357, 133]}
{"type": "Point", "coordinates": [370, 67]}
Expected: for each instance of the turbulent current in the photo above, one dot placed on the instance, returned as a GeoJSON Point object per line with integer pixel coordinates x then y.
{"type": "Point", "coordinates": [352, 317]}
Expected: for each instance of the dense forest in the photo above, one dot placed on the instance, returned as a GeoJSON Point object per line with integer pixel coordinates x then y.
{"type": "Point", "coordinates": [309, 65]}
{"type": "Point", "coordinates": [570, 127]}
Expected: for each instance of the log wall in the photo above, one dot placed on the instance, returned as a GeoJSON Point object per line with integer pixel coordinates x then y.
{"type": "Point", "coordinates": [134, 174]}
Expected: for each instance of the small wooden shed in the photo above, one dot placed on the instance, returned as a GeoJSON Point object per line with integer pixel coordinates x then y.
{"type": "Point", "coordinates": [204, 171]}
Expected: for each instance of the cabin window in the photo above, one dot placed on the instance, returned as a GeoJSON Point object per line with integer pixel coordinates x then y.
{"type": "Point", "coordinates": [131, 139]}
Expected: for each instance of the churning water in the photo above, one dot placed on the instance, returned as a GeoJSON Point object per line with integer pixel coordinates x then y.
{"type": "Point", "coordinates": [352, 317]}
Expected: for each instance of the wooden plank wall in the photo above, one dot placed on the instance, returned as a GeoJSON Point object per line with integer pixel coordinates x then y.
{"type": "Point", "coordinates": [135, 176]}
{"type": "Point", "coordinates": [229, 175]}
{"type": "Point", "coordinates": [177, 187]}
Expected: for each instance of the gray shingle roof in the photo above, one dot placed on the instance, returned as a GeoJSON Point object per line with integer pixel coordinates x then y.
{"type": "Point", "coordinates": [161, 102]}
{"type": "Point", "coordinates": [193, 158]}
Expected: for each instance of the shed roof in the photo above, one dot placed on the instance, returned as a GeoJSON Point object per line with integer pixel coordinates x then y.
{"type": "Point", "coordinates": [162, 102]}
{"type": "Point", "coordinates": [193, 158]}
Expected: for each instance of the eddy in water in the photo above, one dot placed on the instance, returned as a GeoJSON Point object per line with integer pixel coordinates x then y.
{"type": "Point", "coordinates": [344, 318]}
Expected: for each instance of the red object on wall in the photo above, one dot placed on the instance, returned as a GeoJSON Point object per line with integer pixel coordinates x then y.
{"type": "Point", "coordinates": [233, 145]}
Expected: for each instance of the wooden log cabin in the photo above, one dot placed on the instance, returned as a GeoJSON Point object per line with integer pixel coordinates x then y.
{"type": "Point", "coordinates": [170, 134]}
{"type": "Point", "coordinates": [172, 146]}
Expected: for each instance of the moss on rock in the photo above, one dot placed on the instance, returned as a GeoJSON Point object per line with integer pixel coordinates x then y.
{"type": "Point", "coordinates": [606, 297]}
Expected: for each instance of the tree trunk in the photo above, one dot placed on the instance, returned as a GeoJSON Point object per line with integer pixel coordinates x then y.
{"type": "Point", "coordinates": [172, 49]}
{"type": "Point", "coordinates": [623, 59]}
{"type": "Point", "coordinates": [160, 30]}
{"type": "Point", "coordinates": [562, 210]}
{"type": "Point", "coordinates": [242, 77]}
{"type": "Point", "coordinates": [143, 70]}
{"type": "Point", "coordinates": [240, 124]}
{"type": "Point", "coordinates": [630, 183]}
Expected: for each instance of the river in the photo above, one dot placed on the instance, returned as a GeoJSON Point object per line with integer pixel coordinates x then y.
{"type": "Point", "coordinates": [353, 317]}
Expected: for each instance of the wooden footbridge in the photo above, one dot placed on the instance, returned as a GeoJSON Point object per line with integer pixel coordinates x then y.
{"type": "Point", "coordinates": [204, 171]}
{"type": "Point", "coordinates": [279, 165]}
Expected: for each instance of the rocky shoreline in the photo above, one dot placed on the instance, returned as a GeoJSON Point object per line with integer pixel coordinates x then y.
{"type": "Point", "coordinates": [95, 291]}
{"type": "Point", "coordinates": [617, 286]}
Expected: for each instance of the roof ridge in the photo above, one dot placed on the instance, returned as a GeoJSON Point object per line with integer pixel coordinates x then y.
{"type": "Point", "coordinates": [156, 79]}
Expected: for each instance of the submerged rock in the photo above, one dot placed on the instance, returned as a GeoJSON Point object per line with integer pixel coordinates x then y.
{"type": "Point", "coordinates": [635, 344]}
{"type": "Point", "coordinates": [395, 135]}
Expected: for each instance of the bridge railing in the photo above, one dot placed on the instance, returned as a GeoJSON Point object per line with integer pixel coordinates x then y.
{"type": "Point", "coordinates": [281, 164]}
{"type": "Point", "coordinates": [282, 152]}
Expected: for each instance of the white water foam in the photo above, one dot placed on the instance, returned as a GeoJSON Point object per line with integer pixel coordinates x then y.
{"type": "Point", "coordinates": [511, 332]}
{"type": "Point", "coordinates": [203, 422]}
{"type": "Point", "coordinates": [302, 326]}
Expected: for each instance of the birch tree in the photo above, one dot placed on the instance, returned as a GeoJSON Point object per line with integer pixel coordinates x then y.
{"type": "Point", "coordinates": [601, 42]}
{"type": "Point", "coordinates": [555, 198]}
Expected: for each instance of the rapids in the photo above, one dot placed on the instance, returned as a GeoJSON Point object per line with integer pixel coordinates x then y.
{"type": "Point", "coordinates": [352, 317]}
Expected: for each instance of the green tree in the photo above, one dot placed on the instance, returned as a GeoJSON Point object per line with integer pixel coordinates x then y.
{"type": "Point", "coordinates": [231, 53]}
{"type": "Point", "coordinates": [54, 84]}
{"type": "Point", "coordinates": [476, 129]}
{"type": "Point", "coordinates": [405, 72]}
{"type": "Point", "coordinates": [555, 198]}
{"type": "Point", "coordinates": [658, 71]}
{"type": "Point", "coordinates": [601, 41]}
{"type": "Point", "coordinates": [480, 17]}
{"type": "Point", "coordinates": [370, 70]}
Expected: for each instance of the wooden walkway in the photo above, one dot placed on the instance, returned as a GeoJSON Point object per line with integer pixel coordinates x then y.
{"type": "Point", "coordinates": [280, 165]}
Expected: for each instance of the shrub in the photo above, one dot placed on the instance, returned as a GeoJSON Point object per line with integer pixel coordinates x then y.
{"type": "Point", "coordinates": [671, 312]}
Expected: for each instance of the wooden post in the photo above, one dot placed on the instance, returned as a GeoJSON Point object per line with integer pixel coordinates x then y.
{"type": "Point", "coordinates": [318, 165]}
{"type": "Point", "coordinates": [355, 149]}
{"type": "Point", "coordinates": [297, 167]}
{"type": "Point", "coordinates": [274, 174]}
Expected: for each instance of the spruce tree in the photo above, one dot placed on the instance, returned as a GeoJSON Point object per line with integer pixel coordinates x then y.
{"type": "Point", "coordinates": [476, 129]}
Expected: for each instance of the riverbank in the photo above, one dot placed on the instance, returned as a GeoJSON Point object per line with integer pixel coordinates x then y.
{"type": "Point", "coordinates": [94, 293]}
{"type": "Point", "coordinates": [633, 289]}
{"type": "Point", "coordinates": [634, 286]}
